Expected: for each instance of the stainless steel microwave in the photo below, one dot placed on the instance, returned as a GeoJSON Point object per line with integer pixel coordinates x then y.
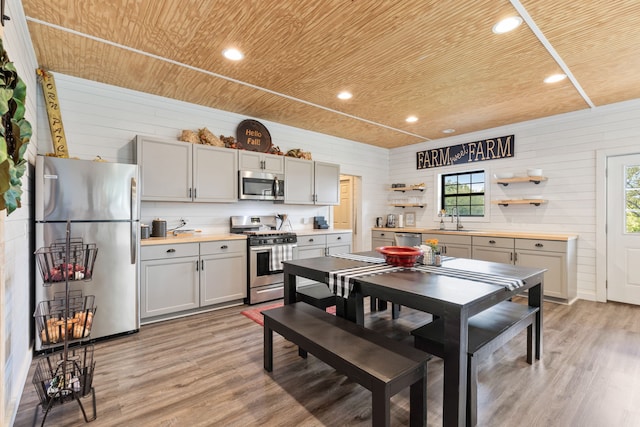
{"type": "Point", "coordinates": [260, 186]}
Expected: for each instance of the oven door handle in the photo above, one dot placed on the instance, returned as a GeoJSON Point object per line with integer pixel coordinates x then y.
{"type": "Point", "coordinates": [266, 248]}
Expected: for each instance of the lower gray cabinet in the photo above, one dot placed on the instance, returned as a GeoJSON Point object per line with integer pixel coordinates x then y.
{"type": "Point", "coordinates": [382, 238]}
{"type": "Point", "coordinates": [451, 245]}
{"type": "Point", "coordinates": [186, 276]}
{"type": "Point", "coordinates": [169, 279]}
{"type": "Point", "coordinates": [223, 271]}
{"type": "Point", "coordinates": [318, 245]}
{"type": "Point", "coordinates": [494, 249]}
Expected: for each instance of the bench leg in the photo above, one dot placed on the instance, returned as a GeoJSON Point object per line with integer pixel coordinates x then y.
{"type": "Point", "coordinates": [380, 407]}
{"type": "Point", "coordinates": [268, 346]}
{"type": "Point", "coordinates": [372, 304]}
{"type": "Point", "coordinates": [472, 391]}
{"type": "Point", "coordinates": [395, 311]}
{"type": "Point", "coordinates": [418, 403]}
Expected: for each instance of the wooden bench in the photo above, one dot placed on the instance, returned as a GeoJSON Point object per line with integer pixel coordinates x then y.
{"type": "Point", "coordinates": [488, 331]}
{"type": "Point", "coordinates": [378, 363]}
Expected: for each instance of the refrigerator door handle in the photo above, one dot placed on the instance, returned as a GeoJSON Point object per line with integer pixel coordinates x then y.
{"type": "Point", "coordinates": [134, 215]}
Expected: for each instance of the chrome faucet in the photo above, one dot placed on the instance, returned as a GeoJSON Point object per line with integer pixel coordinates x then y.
{"type": "Point", "coordinates": [455, 212]}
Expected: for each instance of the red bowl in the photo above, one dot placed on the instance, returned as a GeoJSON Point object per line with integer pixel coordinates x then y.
{"type": "Point", "coordinates": [401, 256]}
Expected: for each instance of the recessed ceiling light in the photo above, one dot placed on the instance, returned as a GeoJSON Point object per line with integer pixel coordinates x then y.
{"type": "Point", "coordinates": [448, 130]}
{"type": "Point", "coordinates": [507, 24]}
{"type": "Point", "coordinates": [233, 54]}
{"type": "Point", "coordinates": [345, 95]}
{"type": "Point", "coordinates": [411, 119]}
{"type": "Point", "coordinates": [554, 78]}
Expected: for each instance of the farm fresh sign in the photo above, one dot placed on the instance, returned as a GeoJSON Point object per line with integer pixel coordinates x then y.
{"type": "Point", "coordinates": [477, 151]}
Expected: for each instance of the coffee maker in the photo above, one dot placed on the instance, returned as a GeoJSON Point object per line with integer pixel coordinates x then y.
{"type": "Point", "coordinates": [391, 221]}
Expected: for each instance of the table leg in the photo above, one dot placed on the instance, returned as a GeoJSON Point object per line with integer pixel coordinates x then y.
{"type": "Point", "coordinates": [536, 300]}
{"type": "Point", "coordinates": [289, 287]}
{"type": "Point", "coordinates": [455, 369]}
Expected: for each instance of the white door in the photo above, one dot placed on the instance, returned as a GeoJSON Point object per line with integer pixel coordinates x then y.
{"type": "Point", "coordinates": [623, 228]}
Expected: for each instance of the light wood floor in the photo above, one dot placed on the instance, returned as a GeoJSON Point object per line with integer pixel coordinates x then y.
{"type": "Point", "coordinates": [206, 370]}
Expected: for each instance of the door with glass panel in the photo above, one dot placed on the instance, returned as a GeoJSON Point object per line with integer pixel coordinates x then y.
{"type": "Point", "coordinates": [623, 228]}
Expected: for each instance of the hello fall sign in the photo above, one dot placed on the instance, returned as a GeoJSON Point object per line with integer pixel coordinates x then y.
{"type": "Point", "coordinates": [477, 151]}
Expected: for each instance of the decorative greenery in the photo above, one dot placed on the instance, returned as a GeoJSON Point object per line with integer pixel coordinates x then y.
{"type": "Point", "coordinates": [15, 134]}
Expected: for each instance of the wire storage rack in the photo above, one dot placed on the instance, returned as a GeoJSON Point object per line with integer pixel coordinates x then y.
{"type": "Point", "coordinates": [65, 375]}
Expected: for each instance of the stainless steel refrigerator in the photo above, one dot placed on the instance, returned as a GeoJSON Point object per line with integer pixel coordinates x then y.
{"type": "Point", "coordinates": [100, 202]}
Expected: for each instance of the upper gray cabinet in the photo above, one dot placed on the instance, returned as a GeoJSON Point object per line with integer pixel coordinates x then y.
{"type": "Point", "coordinates": [260, 162]}
{"type": "Point", "coordinates": [184, 172]}
{"type": "Point", "coordinates": [307, 182]}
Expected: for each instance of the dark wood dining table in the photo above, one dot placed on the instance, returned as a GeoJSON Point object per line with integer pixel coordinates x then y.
{"type": "Point", "coordinates": [453, 299]}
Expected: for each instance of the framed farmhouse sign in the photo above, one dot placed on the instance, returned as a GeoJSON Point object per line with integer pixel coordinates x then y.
{"type": "Point", "coordinates": [477, 151]}
{"type": "Point", "coordinates": [253, 136]}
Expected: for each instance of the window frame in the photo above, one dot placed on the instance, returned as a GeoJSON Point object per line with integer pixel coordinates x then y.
{"type": "Point", "coordinates": [485, 193]}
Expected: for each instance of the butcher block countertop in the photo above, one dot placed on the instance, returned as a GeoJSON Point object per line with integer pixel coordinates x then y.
{"type": "Point", "coordinates": [312, 232]}
{"type": "Point", "coordinates": [483, 233]}
{"type": "Point", "coordinates": [190, 238]}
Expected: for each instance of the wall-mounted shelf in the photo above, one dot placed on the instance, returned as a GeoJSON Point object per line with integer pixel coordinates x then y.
{"type": "Point", "coordinates": [534, 179]}
{"type": "Point", "coordinates": [535, 202]}
{"type": "Point", "coordinates": [407, 205]}
{"type": "Point", "coordinates": [417, 187]}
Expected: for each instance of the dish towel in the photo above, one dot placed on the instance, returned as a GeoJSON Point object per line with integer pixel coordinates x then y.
{"type": "Point", "coordinates": [341, 281]}
{"type": "Point", "coordinates": [364, 258]}
{"type": "Point", "coordinates": [280, 253]}
{"type": "Point", "coordinates": [510, 283]}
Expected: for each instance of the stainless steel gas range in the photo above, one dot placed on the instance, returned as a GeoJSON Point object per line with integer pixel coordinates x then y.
{"type": "Point", "coordinates": [267, 247]}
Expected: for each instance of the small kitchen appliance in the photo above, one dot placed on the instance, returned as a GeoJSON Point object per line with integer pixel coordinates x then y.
{"type": "Point", "coordinates": [379, 222]}
{"type": "Point", "coordinates": [158, 228]}
{"type": "Point", "coordinates": [267, 247]}
{"type": "Point", "coordinates": [391, 221]}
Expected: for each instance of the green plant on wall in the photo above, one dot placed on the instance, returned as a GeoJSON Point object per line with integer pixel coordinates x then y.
{"type": "Point", "coordinates": [14, 134]}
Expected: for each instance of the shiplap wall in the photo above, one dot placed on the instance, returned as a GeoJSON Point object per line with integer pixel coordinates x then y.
{"type": "Point", "coordinates": [102, 120]}
{"type": "Point", "coordinates": [17, 256]}
{"type": "Point", "coordinates": [565, 147]}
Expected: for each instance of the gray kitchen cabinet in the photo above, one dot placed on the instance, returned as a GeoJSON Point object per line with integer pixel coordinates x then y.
{"type": "Point", "coordinates": [318, 245]}
{"type": "Point", "coordinates": [307, 182]}
{"type": "Point", "coordinates": [183, 277]}
{"type": "Point", "coordinates": [494, 249]}
{"type": "Point", "coordinates": [260, 162]}
{"type": "Point", "coordinates": [223, 271]}
{"type": "Point", "coordinates": [451, 245]}
{"type": "Point", "coordinates": [338, 243]}
{"type": "Point", "coordinates": [169, 280]}
{"type": "Point", "coordinates": [382, 238]}
{"type": "Point", "coordinates": [184, 172]}
{"type": "Point", "coordinates": [560, 260]}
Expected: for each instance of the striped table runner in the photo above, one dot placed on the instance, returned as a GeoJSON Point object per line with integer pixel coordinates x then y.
{"type": "Point", "coordinates": [356, 257]}
{"type": "Point", "coordinates": [510, 283]}
{"type": "Point", "coordinates": [341, 281]}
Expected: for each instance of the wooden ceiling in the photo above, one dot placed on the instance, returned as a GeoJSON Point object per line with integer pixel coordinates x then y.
{"type": "Point", "coordinates": [435, 59]}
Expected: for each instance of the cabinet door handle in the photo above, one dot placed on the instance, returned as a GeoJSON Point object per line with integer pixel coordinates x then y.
{"type": "Point", "coordinates": [197, 265]}
{"type": "Point", "coordinates": [515, 257]}
{"type": "Point", "coordinates": [339, 238]}
{"type": "Point", "coordinates": [202, 265]}
{"type": "Point", "coordinates": [224, 247]}
{"type": "Point", "coordinates": [311, 240]}
{"type": "Point", "coordinates": [195, 193]}
{"type": "Point", "coordinates": [170, 251]}
{"type": "Point", "coordinates": [539, 245]}
{"type": "Point", "coordinates": [492, 242]}
{"type": "Point", "coordinates": [511, 256]}
{"type": "Point", "coordinates": [189, 192]}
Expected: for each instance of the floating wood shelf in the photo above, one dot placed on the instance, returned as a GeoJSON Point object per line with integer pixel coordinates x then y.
{"type": "Point", "coordinates": [534, 179]}
{"type": "Point", "coordinates": [407, 205]}
{"type": "Point", "coordinates": [419, 187]}
{"type": "Point", "coordinates": [536, 202]}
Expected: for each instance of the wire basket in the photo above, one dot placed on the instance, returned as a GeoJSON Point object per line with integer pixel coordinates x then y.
{"type": "Point", "coordinates": [55, 267]}
{"type": "Point", "coordinates": [58, 379]}
{"type": "Point", "coordinates": [55, 321]}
